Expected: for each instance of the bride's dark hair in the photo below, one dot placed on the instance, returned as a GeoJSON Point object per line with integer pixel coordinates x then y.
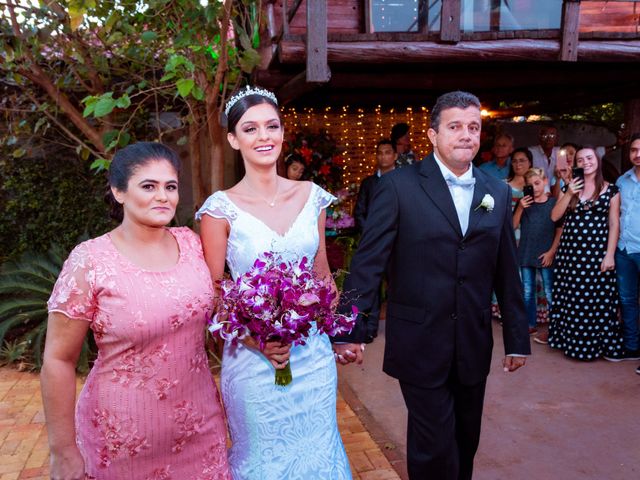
{"type": "Point", "coordinates": [245, 103]}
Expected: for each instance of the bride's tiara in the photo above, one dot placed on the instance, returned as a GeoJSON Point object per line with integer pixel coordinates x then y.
{"type": "Point", "coordinates": [246, 92]}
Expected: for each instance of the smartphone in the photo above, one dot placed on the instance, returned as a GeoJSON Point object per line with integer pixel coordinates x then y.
{"type": "Point", "coordinates": [577, 172]}
{"type": "Point", "coordinates": [528, 190]}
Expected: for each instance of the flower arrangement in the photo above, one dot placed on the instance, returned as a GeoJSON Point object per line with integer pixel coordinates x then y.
{"type": "Point", "coordinates": [338, 216]}
{"type": "Point", "coordinates": [276, 300]}
{"type": "Point", "coordinates": [321, 155]}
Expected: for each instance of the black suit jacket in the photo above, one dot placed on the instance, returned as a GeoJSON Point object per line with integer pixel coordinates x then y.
{"type": "Point", "coordinates": [365, 194]}
{"type": "Point", "coordinates": [440, 281]}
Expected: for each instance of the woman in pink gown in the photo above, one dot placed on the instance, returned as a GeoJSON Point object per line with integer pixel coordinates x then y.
{"type": "Point", "coordinates": [149, 408]}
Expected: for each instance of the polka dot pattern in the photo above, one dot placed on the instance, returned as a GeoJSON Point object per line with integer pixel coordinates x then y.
{"type": "Point", "coordinates": [584, 322]}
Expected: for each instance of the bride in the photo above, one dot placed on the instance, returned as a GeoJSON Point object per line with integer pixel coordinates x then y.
{"type": "Point", "coordinates": [277, 432]}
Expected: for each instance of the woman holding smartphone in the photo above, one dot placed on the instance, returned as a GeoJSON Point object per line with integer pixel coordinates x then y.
{"type": "Point", "coordinates": [584, 321]}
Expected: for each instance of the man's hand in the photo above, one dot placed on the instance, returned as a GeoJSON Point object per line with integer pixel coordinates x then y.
{"type": "Point", "coordinates": [346, 353]}
{"type": "Point", "coordinates": [511, 363]}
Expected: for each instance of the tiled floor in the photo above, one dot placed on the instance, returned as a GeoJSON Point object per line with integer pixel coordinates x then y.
{"type": "Point", "coordinates": [23, 437]}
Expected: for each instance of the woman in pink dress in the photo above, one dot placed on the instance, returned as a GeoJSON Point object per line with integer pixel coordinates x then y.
{"type": "Point", "coordinates": [149, 408]}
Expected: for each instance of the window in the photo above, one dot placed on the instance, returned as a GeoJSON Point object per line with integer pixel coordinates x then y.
{"type": "Point", "coordinates": [404, 15]}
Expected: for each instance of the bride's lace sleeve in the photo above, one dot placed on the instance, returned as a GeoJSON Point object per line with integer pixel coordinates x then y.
{"type": "Point", "coordinates": [74, 292]}
{"type": "Point", "coordinates": [217, 206]}
{"type": "Point", "coordinates": [321, 198]}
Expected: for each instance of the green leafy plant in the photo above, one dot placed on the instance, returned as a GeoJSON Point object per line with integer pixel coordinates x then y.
{"type": "Point", "coordinates": [25, 287]}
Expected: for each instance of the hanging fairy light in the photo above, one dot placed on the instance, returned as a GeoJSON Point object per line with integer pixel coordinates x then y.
{"type": "Point", "coordinates": [357, 131]}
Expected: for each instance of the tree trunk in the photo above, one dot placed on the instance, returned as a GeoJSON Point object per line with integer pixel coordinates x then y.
{"type": "Point", "coordinates": [195, 154]}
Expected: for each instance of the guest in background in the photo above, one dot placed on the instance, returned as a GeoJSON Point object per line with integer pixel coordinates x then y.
{"type": "Point", "coordinates": [402, 143]}
{"type": "Point", "coordinates": [521, 162]}
{"type": "Point", "coordinates": [565, 160]}
{"type": "Point", "coordinates": [500, 165]}
{"type": "Point", "coordinates": [539, 239]}
{"type": "Point", "coordinates": [386, 157]}
{"type": "Point", "coordinates": [628, 252]}
{"type": "Point", "coordinates": [149, 407]}
{"type": "Point", "coordinates": [294, 166]}
{"type": "Point", "coordinates": [545, 153]}
{"type": "Point", "coordinates": [584, 322]}
{"type": "Point", "coordinates": [385, 161]}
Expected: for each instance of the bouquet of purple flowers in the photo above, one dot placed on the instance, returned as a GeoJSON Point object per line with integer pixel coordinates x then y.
{"type": "Point", "coordinates": [276, 300]}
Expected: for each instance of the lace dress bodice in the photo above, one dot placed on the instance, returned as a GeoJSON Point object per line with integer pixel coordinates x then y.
{"type": "Point", "coordinates": [249, 236]}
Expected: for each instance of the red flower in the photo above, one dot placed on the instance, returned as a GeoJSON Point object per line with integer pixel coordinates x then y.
{"type": "Point", "coordinates": [338, 160]}
{"type": "Point", "coordinates": [306, 154]}
{"type": "Point", "coordinates": [325, 170]}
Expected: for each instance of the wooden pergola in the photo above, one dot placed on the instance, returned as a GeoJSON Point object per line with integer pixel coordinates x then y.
{"type": "Point", "coordinates": [320, 52]}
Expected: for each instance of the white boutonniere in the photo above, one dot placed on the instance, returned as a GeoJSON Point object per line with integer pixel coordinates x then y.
{"type": "Point", "coordinates": [487, 203]}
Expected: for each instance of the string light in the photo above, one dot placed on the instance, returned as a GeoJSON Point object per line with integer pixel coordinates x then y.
{"type": "Point", "coordinates": [358, 131]}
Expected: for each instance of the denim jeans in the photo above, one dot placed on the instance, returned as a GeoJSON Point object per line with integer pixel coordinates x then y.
{"type": "Point", "coordinates": [529, 285]}
{"type": "Point", "coordinates": [628, 271]}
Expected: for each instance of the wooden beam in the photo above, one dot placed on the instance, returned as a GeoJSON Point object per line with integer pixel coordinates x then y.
{"type": "Point", "coordinates": [294, 10]}
{"type": "Point", "coordinates": [295, 88]}
{"type": "Point", "coordinates": [570, 30]}
{"type": "Point", "coordinates": [450, 21]}
{"type": "Point", "coordinates": [363, 53]}
{"type": "Point", "coordinates": [316, 51]}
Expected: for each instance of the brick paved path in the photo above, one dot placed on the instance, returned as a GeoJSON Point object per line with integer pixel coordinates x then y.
{"type": "Point", "coordinates": [23, 438]}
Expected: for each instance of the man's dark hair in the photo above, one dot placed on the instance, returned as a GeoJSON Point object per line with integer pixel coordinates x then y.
{"type": "Point", "coordinates": [457, 99]}
{"type": "Point", "coordinates": [386, 141]}
{"type": "Point", "coordinates": [399, 130]}
{"type": "Point", "coordinates": [634, 137]}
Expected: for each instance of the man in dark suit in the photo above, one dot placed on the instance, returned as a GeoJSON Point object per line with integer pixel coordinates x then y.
{"type": "Point", "coordinates": [442, 230]}
{"type": "Point", "coordinates": [385, 162]}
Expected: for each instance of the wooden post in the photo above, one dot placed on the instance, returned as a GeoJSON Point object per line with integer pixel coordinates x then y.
{"type": "Point", "coordinates": [317, 65]}
{"type": "Point", "coordinates": [494, 16]}
{"type": "Point", "coordinates": [285, 18]}
{"type": "Point", "coordinates": [450, 21]}
{"type": "Point", "coordinates": [367, 16]}
{"type": "Point", "coordinates": [570, 30]}
{"type": "Point", "coordinates": [423, 16]}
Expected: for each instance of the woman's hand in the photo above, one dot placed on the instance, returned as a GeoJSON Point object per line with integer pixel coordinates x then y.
{"type": "Point", "coordinates": [67, 464]}
{"type": "Point", "coordinates": [546, 259]}
{"type": "Point", "coordinates": [608, 263]}
{"type": "Point", "coordinates": [277, 353]}
{"type": "Point", "coordinates": [575, 186]}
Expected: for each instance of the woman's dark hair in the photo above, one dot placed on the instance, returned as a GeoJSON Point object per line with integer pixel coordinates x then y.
{"type": "Point", "coordinates": [292, 158]}
{"type": "Point", "coordinates": [126, 161]}
{"type": "Point", "coordinates": [245, 103]}
{"type": "Point", "coordinates": [575, 146]}
{"type": "Point", "coordinates": [528, 154]}
{"type": "Point", "coordinates": [598, 180]}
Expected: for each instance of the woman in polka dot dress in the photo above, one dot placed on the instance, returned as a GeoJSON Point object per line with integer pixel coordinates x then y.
{"type": "Point", "coordinates": [584, 323]}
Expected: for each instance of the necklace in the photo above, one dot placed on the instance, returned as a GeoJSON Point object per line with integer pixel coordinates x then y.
{"type": "Point", "coordinates": [271, 203]}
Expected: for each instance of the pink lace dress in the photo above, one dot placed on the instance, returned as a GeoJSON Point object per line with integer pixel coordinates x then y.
{"type": "Point", "coordinates": [149, 408]}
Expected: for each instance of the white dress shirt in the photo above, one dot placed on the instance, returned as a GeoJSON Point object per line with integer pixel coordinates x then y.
{"type": "Point", "coordinates": [462, 196]}
{"type": "Point", "coordinates": [462, 199]}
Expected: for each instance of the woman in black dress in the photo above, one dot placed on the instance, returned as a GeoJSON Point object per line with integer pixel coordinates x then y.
{"type": "Point", "coordinates": [584, 323]}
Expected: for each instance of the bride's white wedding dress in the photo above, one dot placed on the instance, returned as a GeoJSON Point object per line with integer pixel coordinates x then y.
{"type": "Point", "coordinates": [279, 433]}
